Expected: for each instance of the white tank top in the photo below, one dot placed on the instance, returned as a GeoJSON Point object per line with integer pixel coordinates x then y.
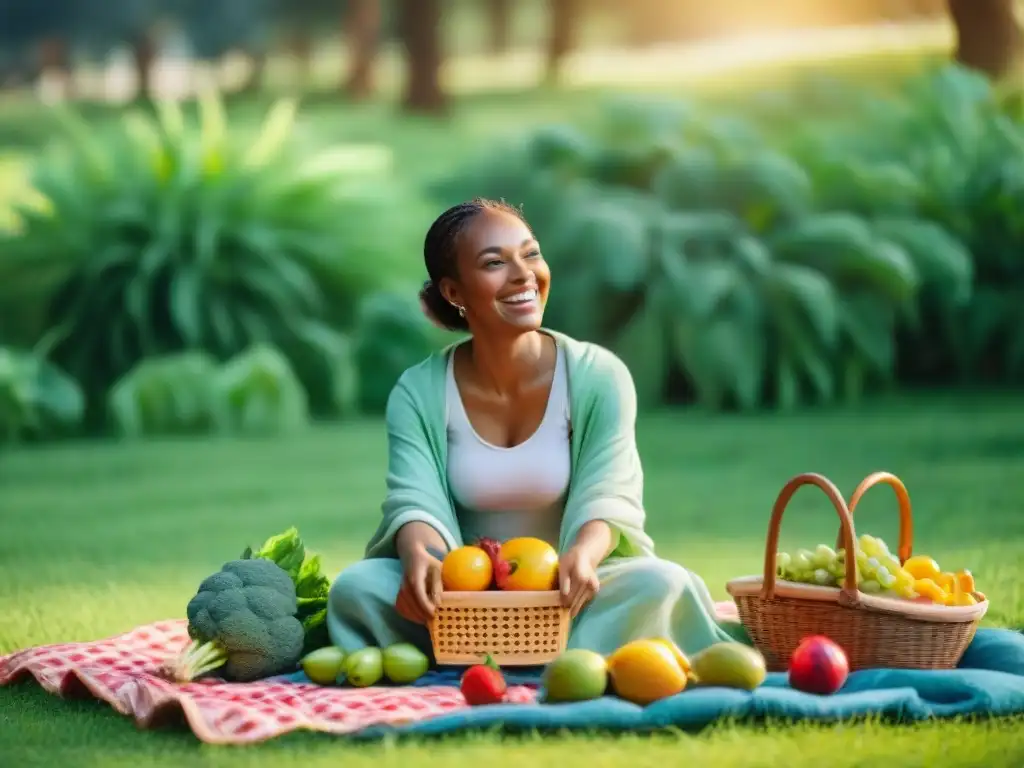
{"type": "Point", "coordinates": [503, 493]}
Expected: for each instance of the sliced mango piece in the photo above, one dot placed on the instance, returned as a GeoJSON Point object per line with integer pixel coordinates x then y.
{"type": "Point", "coordinates": [922, 567]}
{"type": "Point", "coordinates": [966, 581]}
{"type": "Point", "coordinates": [927, 588]}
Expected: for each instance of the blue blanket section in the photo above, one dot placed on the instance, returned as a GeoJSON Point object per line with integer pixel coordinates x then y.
{"type": "Point", "coordinates": [989, 682]}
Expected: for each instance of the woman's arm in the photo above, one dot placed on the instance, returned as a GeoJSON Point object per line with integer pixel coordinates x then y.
{"type": "Point", "coordinates": [595, 542]}
{"type": "Point", "coordinates": [417, 537]}
{"type": "Point", "coordinates": [416, 491]}
{"type": "Point", "coordinates": [607, 483]}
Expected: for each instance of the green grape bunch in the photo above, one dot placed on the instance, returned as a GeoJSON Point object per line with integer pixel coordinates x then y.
{"type": "Point", "coordinates": [878, 570]}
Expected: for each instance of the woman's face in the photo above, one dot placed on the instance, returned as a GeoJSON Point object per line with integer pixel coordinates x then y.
{"type": "Point", "coordinates": [503, 280]}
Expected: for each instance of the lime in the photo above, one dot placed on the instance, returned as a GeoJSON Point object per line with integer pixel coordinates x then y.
{"type": "Point", "coordinates": [576, 675]}
{"type": "Point", "coordinates": [404, 663]}
{"type": "Point", "coordinates": [322, 665]}
{"type": "Point", "coordinates": [364, 667]}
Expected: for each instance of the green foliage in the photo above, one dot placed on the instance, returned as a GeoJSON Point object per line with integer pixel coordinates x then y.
{"type": "Point", "coordinates": [808, 265]}
{"type": "Point", "coordinates": [939, 165]}
{"type": "Point", "coordinates": [312, 587]}
{"type": "Point", "coordinates": [255, 393]}
{"type": "Point", "coordinates": [168, 394]}
{"type": "Point", "coordinates": [162, 236]}
{"type": "Point", "coordinates": [37, 399]}
{"type": "Point", "coordinates": [391, 334]}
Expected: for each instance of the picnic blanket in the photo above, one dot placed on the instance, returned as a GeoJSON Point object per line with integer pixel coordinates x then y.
{"type": "Point", "coordinates": [123, 671]}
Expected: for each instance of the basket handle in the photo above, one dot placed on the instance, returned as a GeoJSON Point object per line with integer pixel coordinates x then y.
{"type": "Point", "coordinates": [906, 540]}
{"type": "Point", "coordinates": [848, 594]}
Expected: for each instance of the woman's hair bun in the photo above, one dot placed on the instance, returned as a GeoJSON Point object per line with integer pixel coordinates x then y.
{"type": "Point", "coordinates": [438, 310]}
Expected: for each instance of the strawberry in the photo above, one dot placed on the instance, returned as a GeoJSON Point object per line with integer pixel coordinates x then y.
{"type": "Point", "coordinates": [483, 684]}
{"type": "Point", "coordinates": [502, 568]}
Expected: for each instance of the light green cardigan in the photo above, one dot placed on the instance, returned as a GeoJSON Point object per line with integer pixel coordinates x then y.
{"type": "Point", "coordinates": [606, 481]}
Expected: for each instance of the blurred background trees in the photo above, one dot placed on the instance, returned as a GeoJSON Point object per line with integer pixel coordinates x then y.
{"type": "Point", "coordinates": [59, 35]}
{"type": "Point", "coordinates": [215, 257]}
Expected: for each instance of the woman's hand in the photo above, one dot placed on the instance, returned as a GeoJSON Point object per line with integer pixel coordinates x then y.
{"type": "Point", "coordinates": [421, 586]}
{"type": "Point", "coordinates": [577, 580]}
{"type": "Point", "coordinates": [420, 549]}
{"type": "Point", "coordinates": [577, 568]}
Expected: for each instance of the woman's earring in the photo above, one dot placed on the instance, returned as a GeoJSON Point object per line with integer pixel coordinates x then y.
{"type": "Point", "coordinates": [462, 311]}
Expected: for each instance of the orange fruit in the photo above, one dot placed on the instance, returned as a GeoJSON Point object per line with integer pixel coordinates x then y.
{"type": "Point", "coordinates": [533, 564]}
{"type": "Point", "coordinates": [644, 671]}
{"type": "Point", "coordinates": [922, 567]}
{"type": "Point", "coordinates": [466, 569]}
{"type": "Point", "coordinates": [966, 580]}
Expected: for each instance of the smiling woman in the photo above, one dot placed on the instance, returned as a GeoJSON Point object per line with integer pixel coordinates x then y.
{"type": "Point", "coordinates": [485, 267]}
{"type": "Point", "coordinates": [516, 431]}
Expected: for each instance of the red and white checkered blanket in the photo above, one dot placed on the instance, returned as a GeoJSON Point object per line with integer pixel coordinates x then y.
{"type": "Point", "coordinates": [124, 671]}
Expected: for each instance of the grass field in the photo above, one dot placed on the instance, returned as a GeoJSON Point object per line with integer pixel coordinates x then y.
{"type": "Point", "coordinates": [97, 538]}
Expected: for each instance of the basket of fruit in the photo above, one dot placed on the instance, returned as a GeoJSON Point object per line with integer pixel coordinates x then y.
{"type": "Point", "coordinates": [884, 611]}
{"type": "Point", "coordinates": [500, 600]}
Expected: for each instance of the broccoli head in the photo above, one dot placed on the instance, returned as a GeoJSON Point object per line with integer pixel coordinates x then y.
{"type": "Point", "coordinates": [243, 618]}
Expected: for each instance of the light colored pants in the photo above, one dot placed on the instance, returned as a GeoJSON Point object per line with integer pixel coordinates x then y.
{"type": "Point", "coordinates": [639, 597]}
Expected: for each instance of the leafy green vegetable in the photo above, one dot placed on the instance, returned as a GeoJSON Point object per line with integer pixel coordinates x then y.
{"type": "Point", "coordinates": [288, 551]}
{"type": "Point", "coordinates": [242, 619]}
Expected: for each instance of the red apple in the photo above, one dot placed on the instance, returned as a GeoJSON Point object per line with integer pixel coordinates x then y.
{"type": "Point", "coordinates": [819, 665]}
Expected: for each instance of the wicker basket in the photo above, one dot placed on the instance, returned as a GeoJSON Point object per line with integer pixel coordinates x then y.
{"type": "Point", "coordinates": [875, 631]}
{"type": "Point", "coordinates": [514, 628]}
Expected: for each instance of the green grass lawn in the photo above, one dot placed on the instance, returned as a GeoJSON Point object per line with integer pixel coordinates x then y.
{"type": "Point", "coordinates": [97, 538]}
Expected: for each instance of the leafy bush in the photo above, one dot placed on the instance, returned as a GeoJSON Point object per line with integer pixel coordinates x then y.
{"type": "Point", "coordinates": [162, 237]}
{"type": "Point", "coordinates": [166, 395]}
{"type": "Point", "coordinates": [256, 392]}
{"type": "Point", "coordinates": [946, 151]}
{"type": "Point", "coordinates": [742, 268]}
{"type": "Point", "coordinates": [391, 334]}
{"type": "Point", "coordinates": [37, 399]}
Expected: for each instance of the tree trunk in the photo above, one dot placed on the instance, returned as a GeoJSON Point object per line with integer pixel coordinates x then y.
{"type": "Point", "coordinates": [988, 36]}
{"type": "Point", "coordinates": [300, 48]}
{"type": "Point", "coordinates": [144, 55]}
{"type": "Point", "coordinates": [362, 25]}
{"type": "Point", "coordinates": [649, 22]}
{"type": "Point", "coordinates": [55, 56]}
{"type": "Point", "coordinates": [420, 30]}
{"type": "Point", "coordinates": [564, 19]}
{"type": "Point", "coordinates": [499, 14]}
{"type": "Point", "coordinates": [255, 79]}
